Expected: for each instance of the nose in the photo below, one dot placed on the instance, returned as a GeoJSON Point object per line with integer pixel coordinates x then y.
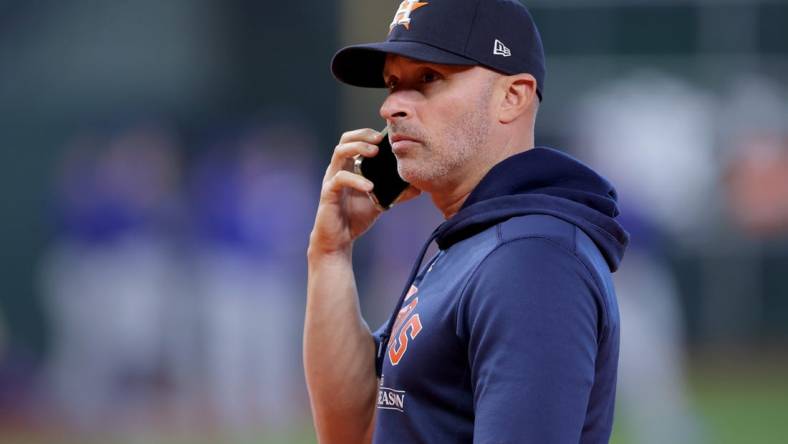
{"type": "Point", "coordinates": [396, 107]}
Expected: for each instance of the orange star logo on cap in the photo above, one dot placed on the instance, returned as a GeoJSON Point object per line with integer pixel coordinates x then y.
{"type": "Point", "coordinates": [402, 17]}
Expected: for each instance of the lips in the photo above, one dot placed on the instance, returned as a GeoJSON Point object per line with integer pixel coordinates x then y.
{"type": "Point", "coordinates": [399, 137]}
{"type": "Point", "coordinates": [401, 142]}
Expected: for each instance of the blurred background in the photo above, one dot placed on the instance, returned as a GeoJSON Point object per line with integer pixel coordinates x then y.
{"type": "Point", "coordinates": [160, 165]}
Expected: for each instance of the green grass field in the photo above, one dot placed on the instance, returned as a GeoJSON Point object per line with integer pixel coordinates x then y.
{"type": "Point", "coordinates": [737, 402]}
{"type": "Point", "coordinates": [743, 403]}
{"type": "Point", "coordinates": [751, 410]}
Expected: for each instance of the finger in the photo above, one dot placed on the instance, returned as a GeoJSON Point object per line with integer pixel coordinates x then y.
{"type": "Point", "coordinates": [345, 179]}
{"type": "Point", "coordinates": [362, 139]}
{"type": "Point", "coordinates": [351, 149]}
{"type": "Point", "coordinates": [345, 152]}
{"type": "Point", "coordinates": [364, 135]}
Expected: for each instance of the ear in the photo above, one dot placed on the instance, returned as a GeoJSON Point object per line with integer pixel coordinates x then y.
{"type": "Point", "coordinates": [519, 95]}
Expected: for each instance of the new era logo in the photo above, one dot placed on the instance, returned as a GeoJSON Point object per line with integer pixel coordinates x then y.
{"type": "Point", "coordinates": [500, 49]}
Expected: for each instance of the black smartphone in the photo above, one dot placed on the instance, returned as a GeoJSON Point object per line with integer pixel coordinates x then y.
{"type": "Point", "coordinates": [381, 170]}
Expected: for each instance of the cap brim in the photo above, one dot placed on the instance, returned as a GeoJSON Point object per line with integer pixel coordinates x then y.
{"type": "Point", "coordinates": [362, 65]}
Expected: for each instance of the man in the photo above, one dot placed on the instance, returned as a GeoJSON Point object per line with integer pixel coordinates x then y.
{"type": "Point", "coordinates": [510, 333]}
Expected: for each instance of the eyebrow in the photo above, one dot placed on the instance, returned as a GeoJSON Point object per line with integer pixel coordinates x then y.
{"type": "Point", "coordinates": [417, 65]}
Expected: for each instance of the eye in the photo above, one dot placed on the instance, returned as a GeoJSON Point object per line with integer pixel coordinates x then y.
{"type": "Point", "coordinates": [391, 83]}
{"type": "Point", "coordinates": [429, 77]}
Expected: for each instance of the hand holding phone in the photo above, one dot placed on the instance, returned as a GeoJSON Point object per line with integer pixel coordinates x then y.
{"type": "Point", "coordinates": [381, 170]}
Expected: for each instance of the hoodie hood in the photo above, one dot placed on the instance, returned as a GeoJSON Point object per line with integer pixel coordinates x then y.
{"type": "Point", "coordinates": [542, 181]}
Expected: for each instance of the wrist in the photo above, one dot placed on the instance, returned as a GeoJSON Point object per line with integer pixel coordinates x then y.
{"type": "Point", "coordinates": [317, 254]}
{"type": "Point", "coordinates": [322, 247]}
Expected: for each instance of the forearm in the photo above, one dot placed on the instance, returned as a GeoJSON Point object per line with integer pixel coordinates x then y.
{"type": "Point", "coordinates": [338, 352]}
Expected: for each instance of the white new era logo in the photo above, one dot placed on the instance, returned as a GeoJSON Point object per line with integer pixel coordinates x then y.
{"type": "Point", "coordinates": [501, 49]}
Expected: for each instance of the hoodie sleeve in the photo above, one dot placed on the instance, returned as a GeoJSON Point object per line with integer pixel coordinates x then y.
{"type": "Point", "coordinates": [530, 320]}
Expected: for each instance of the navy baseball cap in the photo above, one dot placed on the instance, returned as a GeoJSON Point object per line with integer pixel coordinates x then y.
{"type": "Point", "coordinates": [498, 34]}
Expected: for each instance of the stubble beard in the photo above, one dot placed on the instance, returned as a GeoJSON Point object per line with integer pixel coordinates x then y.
{"type": "Point", "coordinates": [443, 163]}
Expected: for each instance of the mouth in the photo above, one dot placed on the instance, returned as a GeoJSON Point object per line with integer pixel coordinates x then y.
{"type": "Point", "coordinates": [401, 142]}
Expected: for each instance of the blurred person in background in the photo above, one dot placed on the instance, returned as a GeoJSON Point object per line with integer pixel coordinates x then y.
{"type": "Point", "coordinates": [251, 189]}
{"type": "Point", "coordinates": [108, 276]}
{"type": "Point", "coordinates": [653, 396]}
{"type": "Point", "coordinates": [657, 134]}
{"type": "Point", "coordinates": [755, 187]}
{"type": "Point", "coordinates": [654, 136]}
{"type": "Point", "coordinates": [756, 156]}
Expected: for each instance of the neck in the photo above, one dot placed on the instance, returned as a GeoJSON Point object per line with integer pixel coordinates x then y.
{"type": "Point", "coordinates": [450, 198]}
{"type": "Point", "coordinates": [449, 204]}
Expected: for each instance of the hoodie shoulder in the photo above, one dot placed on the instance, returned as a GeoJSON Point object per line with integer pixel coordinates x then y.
{"type": "Point", "coordinates": [568, 236]}
{"type": "Point", "coordinates": [538, 225]}
{"type": "Point", "coordinates": [577, 246]}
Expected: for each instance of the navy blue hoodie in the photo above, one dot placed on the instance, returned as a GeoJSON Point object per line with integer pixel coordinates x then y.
{"type": "Point", "coordinates": [510, 333]}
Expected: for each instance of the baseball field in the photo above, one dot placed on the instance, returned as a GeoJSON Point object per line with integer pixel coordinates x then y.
{"type": "Point", "coordinates": [736, 401]}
